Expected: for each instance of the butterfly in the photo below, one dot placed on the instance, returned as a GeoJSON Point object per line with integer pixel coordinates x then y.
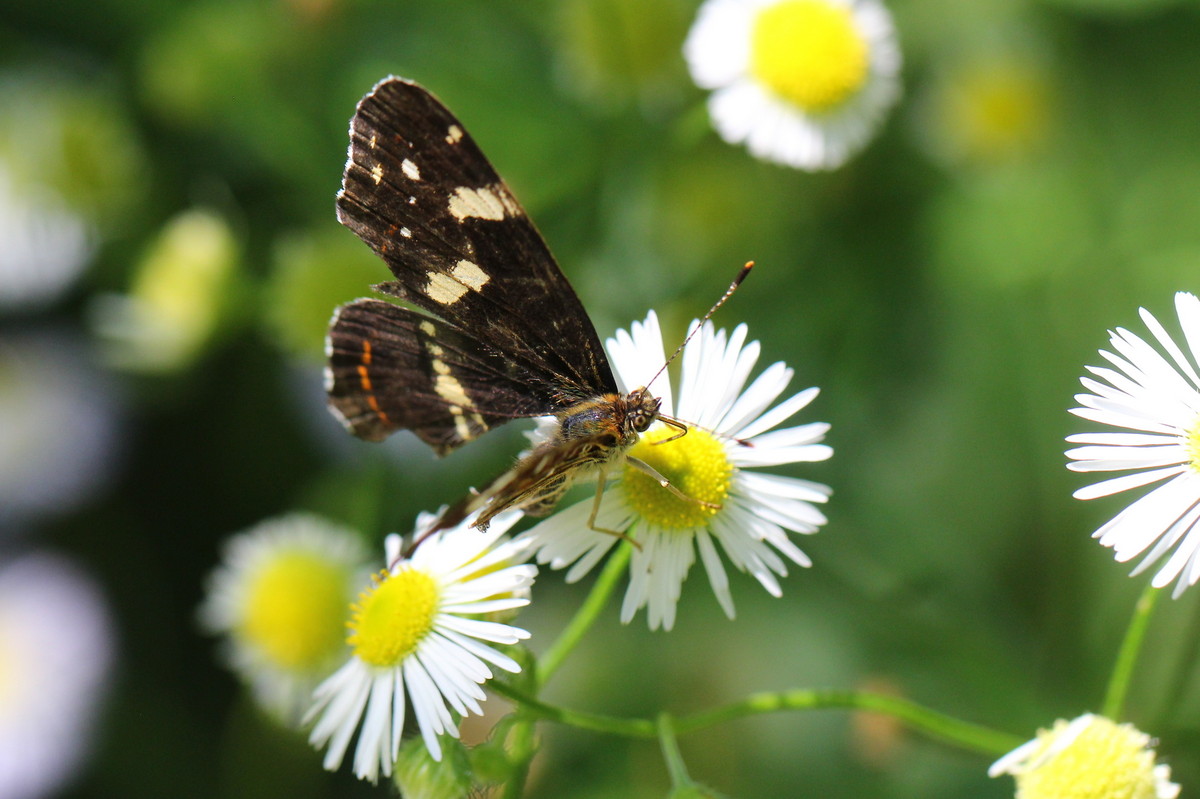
{"type": "Point", "coordinates": [496, 331]}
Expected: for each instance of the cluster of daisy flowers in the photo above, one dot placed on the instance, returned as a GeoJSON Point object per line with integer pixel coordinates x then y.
{"type": "Point", "coordinates": [420, 631]}
{"type": "Point", "coordinates": [428, 630]}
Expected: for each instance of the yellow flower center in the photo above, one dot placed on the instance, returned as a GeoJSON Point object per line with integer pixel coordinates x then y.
{"type": "Point", "coordinates": [695, 463]}
{"type": "Point", "coordinates": [809, 52]}
{"type": "Point", "coordinates": [1106, 761]}
{"type": "Point", "coordinates": [393, 616]}
{"type": "Point", "coordinates": [295, 607]}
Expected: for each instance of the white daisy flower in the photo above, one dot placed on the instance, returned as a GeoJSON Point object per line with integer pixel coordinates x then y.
{"type": "Point", "coordinates": [279, 600]}
{"type": "Point", "coordinates": [416, 635]}
{"type": "Point", "coordinates": [749, 514]}
{"type": "Point", "coordinates": [804, 83]}
{"type": "Point", "coordinates": [59, 426]}
{"type": "Point", "coordinates": [44, 245]}
{"type": "Point", "coordinates": [1089, 758]}
{"type": "Point", "coordinates": [56, 647]}
{"type": "Point", "coordinates": [1158, 398]}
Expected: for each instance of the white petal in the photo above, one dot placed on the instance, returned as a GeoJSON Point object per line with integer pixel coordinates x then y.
{"type": "Point", "coordinates": [428, 706]}
{"type": "Point", "coordinates": [1124, 483]}
{"type": "Point", "coordinates": [756, 399]}
{"type": "Point", "coordinates": [340, 717]}
{"type": "Point", "coordinates": [765, 453]}
{"type": "Point", "coordinates": [1179, 560]}
{"type": "Point", "coordinates": [756, 483]}
{"type": "Point", "coordinates": [718, 579]}
{"type": "Point", "coordinates": [1168, 344]}
{"type": "Point", "coordinates": [1109, 459]}
{"type": "Point", "coordinates": [1139, 524]}
{"type": "Point", "coordinates": [473, 648]}
{"type": "Point", "coordinates": [373, 741]}
{"type": "Point", "coordinates": [1187, 307]}
{"type": "Point", "coordinates": [1121, 439]}
{"type": "Point", "coordinates": [718, 46]}
{"type": "Point", "coordinates": [777, 415]}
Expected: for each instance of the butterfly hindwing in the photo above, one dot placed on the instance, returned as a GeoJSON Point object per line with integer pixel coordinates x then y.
{"type": "Point", "coordinates": [419, 191]}
{"type": "Point", "coordinates": [392, 368]}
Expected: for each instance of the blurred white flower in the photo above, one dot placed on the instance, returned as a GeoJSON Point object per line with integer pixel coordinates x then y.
{"type": "Point", "coordinates": [279, 598]}
{"type": "Point", "coordinates": [804, 83]}
{"type": "Point", "coordinates": [44, 245]}
{"type": "Point", "coordinates": [56, 649]}
{"type": "Point", "coordinates": [57, 426]}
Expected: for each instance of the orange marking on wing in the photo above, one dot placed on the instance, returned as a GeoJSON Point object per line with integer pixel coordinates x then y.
{"type": "Point", "coordinates": [364, 379]}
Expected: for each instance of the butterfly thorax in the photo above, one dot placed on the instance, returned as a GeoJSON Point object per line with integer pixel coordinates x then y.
{"type": "Point", "coordinates": [613, 420]}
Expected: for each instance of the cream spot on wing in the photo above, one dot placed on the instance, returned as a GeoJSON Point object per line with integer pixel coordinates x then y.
{"type": "Point", "coordinates": [444, 289]}
{"type": "Point", "coordinates": [487, 203]}
{"type": "Point", "coordinates": [440, 366]}
{"type": "Point", "coordinates": [406, 233]}
{"type": "Point", "coordinates": [377, 174]}
{"type": "Point", "coordinates": [452, 391]}
{"type": "Point", "coordinates": [460, 427]}
{"type": "Point", "coordinates": [412, 200]}
{"type": "Point", "coordinates": [454, 134]}
{"type": "Point", "coordinates": [427, 328]}
{"type": "Point", "coordinates": [371, 143]}
{"type": "Point", "coordinates": [470, 275]}
{"type": "Point", "coordinates": [410, 170]}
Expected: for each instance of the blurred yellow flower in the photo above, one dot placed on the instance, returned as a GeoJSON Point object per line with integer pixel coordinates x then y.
{"type": "Point", "coordinates": [180, 289]}
{"type": "Point", "coordinates": [1088, 758]}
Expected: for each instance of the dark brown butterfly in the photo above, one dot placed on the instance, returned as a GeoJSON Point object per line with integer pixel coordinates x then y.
{"type": "Point", "coordinates": [497, 332]}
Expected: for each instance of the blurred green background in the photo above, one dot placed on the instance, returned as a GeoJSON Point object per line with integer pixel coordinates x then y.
{"type": "Point", "coordinates": [1039, 181]}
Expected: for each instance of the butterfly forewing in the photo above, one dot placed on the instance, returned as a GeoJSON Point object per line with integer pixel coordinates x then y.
{"type": "Point", "coordinates": [497, 332]}
{"type": "Point", "coordinates": [419, 191]}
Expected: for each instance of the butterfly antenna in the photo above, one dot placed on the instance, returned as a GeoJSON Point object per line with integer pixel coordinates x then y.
{"type": "Point", "coordinates": [737, 281]}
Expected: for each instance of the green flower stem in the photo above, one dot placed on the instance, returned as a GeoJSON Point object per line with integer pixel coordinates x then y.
{"type": "Point", "coordinates": [933, 724]}
{"type": "Point", "coordinates": [626, 728]}
{"type": "Point", "coordinates": [586, 616]}
{"type": "Point", "coordinates": [1135, 635]}
{"type": "Point", "coordinates": [522, 743]}
{"type": "Point", "coordinates": [522, 747]}
{"type": "Point", "coordinates": [930, 722]}
{"type": "Point", "coordinates": [671, 754]}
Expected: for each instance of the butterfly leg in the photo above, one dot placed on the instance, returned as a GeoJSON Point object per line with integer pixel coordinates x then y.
{"type": "Point", "coordinates": [646, 468]}
{"type": "Point", "coordinates": [591, 522]}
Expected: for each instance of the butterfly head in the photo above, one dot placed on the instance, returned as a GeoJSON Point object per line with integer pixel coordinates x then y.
{"type": "Point", "coordinates": [641, 410]}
